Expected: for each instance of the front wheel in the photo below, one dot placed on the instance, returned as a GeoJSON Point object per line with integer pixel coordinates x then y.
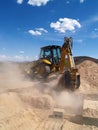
{"type": "Point", "coordinates": [40, 71]}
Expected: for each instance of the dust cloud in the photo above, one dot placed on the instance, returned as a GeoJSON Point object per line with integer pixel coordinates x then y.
{"type": "Point", "coordinates": [11, 77]}
{"type": "Point", "coordinates": [35, 93]}
{"type": "Point", "coordinates": [71, 101]}
{"type": "Point", "coordinates": [29, 104]}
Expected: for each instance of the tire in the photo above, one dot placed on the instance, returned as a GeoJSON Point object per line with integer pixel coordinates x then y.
{"type": "Point", "coordinates": [41, 71]}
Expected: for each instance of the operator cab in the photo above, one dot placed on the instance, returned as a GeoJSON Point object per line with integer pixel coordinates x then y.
{"type": "Point", "coordinates": [51, 53]}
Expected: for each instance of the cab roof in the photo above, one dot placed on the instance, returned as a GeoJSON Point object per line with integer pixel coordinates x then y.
{"type": "Point", "coordinates": [50, 47]}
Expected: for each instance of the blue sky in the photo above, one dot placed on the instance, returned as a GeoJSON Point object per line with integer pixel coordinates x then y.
{"type": "Point", "coordinates": [27, 25]}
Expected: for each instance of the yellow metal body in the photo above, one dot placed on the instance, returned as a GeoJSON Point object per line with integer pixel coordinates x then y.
{"type": "Point", "coordinates": [65, 64]}
{"type": "Point", "coordinates": [46, 61]}
{"type": "Point", "coordinates": [67, 52]}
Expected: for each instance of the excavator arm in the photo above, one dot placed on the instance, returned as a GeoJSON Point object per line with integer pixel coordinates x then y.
{"type": "Point", "coordinates": [66, 52]}
{"type": "Point", "coordinates": [72, 77]}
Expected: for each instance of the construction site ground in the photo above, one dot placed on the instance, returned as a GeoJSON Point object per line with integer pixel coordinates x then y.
{"type": "Point", "coordinates": [34, 105]}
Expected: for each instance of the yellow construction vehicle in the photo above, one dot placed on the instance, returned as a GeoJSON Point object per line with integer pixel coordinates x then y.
{"type": "Point", "coordinates": [57, 59]}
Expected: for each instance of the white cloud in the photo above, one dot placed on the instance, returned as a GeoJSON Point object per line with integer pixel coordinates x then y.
{"type": "Point", "coordinates": [37, 2]}
{"type": "Point", "coordinates": [96, 29]}
{"type": "Point", "coordinates": [65, 24]}
{"type": "Point", "coordinates": [3, 49]}
{"type": "Point", "coordinates": [94, 34]}
{"type": "Point", "coordinates": [41, 30]}
{"type": "Point", "coordinates": [32, 32]}
{"type": "Point", "coordinates": [19, 1]}
{"type": "Point", "coordinates": [21, 58]}
{"type": "Point", "coordinates": [15, 58]}
{"type": "Point", "coordinates": [37, 31]}
{"type": "Point", "coordinates": [79, 40]}
{"type": "Point", "coordinates": [95, 18]}
{"type": "Point", "coordinates": [67, 2]}
{"type": "Point", "coordinates": [22, 52]}
{"type": "Point", "coordinates": [3, 57]}
{"type": "Point", "coordinates": [36, 57]}
{"type": "Point", "coordinates": [81, 1]}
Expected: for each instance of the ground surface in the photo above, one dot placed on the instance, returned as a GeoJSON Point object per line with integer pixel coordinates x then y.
{"type": "Point", "coordinates": [29, 105]}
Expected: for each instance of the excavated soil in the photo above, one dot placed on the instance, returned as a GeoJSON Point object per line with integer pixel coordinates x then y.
{"type": "Point", "coordinates": [29, 105]}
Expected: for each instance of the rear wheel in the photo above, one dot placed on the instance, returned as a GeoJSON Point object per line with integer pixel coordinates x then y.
{"type": "Point", "coordinates": [40, 71]}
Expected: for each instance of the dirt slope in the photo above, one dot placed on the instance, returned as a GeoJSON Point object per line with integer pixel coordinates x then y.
{"type": "Point", "coordinates": [29, 105]}
{"type": "Point", "coordinates": [89, 74]}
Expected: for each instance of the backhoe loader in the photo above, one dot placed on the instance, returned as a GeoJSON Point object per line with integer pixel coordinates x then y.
{"type": "Point", "coordinates": [54, 59]}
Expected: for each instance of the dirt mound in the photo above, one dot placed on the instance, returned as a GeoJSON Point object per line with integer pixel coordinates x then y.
{"type": "Point", "coordinates": [80, 59]}
{"type": "Point", "coordinates": [89, 75]}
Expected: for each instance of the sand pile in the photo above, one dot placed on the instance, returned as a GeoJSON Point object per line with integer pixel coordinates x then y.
{"type": "Point", "coordinates": [89, 75]}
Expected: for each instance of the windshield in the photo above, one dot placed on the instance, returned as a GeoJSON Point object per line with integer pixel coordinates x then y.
{"type": "Point", "coordinates": [46, 53]}
{"type": "Point", "coordinates": [52, 54]}
{"type": "Point", "coordinates": [56, 55]}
